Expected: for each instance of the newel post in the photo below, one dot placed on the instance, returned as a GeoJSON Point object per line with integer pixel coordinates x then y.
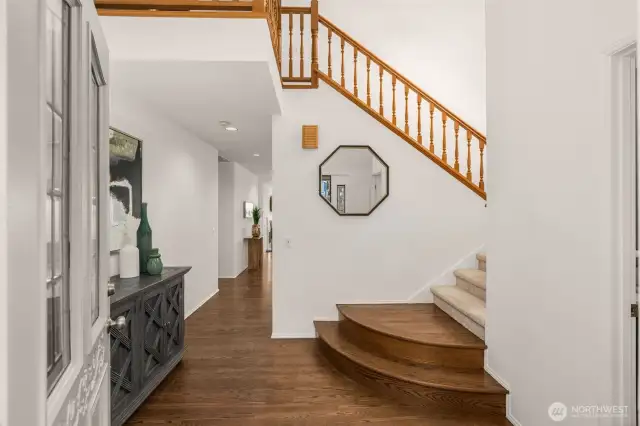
{"type": "Point", "coordinates": [258, 6]}
{"type": "Point", "coordinates": [314, 42]}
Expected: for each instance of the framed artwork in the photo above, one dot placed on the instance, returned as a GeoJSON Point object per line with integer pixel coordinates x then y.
{"type": "Point", "coordinates": [325, 187]}
{"type": "Point", "coordinates": [125, 184]}
{"type": "Point", "coordinates": [247, 208]}
{"type": "Point", "coordinates": [342, 196]}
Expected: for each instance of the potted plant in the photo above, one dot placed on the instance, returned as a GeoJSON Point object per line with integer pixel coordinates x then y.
{"type": "Point", "coordinates": [256, 213]}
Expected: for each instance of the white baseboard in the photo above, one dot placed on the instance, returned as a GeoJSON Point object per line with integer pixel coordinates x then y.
{"type": "Point", "coordinates": [505, 385]}
{"type": "Point", "coordinates": [423, 295]}
{"type": "Point", "coordinates": [301, 335]}
{"type": "Point", "coordinates": [206, 299]}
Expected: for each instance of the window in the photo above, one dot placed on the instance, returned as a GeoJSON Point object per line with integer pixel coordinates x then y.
{"type": "Point", "coordinates": [57, 196]}
{"type": "Point", "coordinates": [94, 176]}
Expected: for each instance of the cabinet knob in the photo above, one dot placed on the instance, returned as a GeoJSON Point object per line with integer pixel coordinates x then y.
{"type": "Point", "coordinates": [111, 289]}
{"type": "Point", "coordinates": [119, 323]}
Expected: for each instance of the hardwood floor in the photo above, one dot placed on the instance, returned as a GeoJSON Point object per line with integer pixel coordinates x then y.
{"type": "Point", "coordinates": [234, 374]}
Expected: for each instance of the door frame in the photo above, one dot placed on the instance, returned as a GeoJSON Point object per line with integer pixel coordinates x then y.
{"type": "Point", "coordinates": [83, 387]}
{"type": "Point", "coordinates": [625, 157]}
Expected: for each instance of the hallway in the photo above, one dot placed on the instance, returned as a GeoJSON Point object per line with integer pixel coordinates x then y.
{"type": "Point", "coordinates": [233, 373]}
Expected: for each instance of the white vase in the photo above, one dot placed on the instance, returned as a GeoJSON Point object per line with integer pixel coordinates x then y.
{"type": "Point", "coordinates": [129, 262]}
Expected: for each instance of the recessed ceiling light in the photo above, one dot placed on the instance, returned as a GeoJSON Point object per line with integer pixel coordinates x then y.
{"type": "Point", "coordinates": [256, 155]}
{"type": "Point", "coordinates": [231, 129]}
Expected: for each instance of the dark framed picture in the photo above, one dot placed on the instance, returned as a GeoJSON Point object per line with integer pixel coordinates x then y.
{"type": "Point", "coordinates": [125, 183]}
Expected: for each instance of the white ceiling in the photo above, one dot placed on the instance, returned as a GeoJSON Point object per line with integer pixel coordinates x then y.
{"type": "Point", "coordinates": [191, 71]}
{"type": "Point", "coordinates": [198, 95]}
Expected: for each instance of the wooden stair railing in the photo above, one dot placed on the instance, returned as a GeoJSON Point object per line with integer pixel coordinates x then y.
{"type": "Point", "coordinates": [300, 73]}
{"type": "Point", "coordinates": [382, 92]}
{"type": "Point", "coordinates": [244, 9]}
{"type": "Point", "coordinates": [412, 110]}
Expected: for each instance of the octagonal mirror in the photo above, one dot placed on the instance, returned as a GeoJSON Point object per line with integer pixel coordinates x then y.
{"type": "Point", "coordinates": [354, 180]}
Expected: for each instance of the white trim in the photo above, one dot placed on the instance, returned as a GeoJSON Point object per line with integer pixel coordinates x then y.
{"type": "Point", "coordinates": [4, 320]}
{"type": "Point", "coordinates": [233, 278]}
{"type": "Point", "coordinates": [424, 295]}
{"type": "Point", "coordinates": [624, 252]}
{"type": "Point", "coordinates": [205, 300]}
{"type": "Point", "coordinates": [505, 385]}
{"type": "Point", "coordinates": [301, 335]}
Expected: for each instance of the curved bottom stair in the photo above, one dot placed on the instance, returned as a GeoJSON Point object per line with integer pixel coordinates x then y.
{"type": "Point", "coordinates": [416, 354]}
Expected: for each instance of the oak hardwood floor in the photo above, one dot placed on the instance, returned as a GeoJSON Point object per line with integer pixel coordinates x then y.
{"type": "Point", "coordinates": [234, 374]}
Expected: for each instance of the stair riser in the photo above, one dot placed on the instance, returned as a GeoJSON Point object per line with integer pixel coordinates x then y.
{"type": "Point", "coordinates": [415, 353]}
{"type": "Point", "coordinates": [413, 394]}
{"type": "Point", "coordinates": [461, 318]}
{"type": "Point", "coordinates": [482, 265]}
{"type": "Point", "coordinates": [476, 291]}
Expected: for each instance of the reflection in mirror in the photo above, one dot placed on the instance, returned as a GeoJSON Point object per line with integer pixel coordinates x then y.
{"type": "Point", "coordinates": [354, 180]}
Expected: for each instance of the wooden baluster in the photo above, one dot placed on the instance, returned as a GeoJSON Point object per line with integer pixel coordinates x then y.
{"type": "Point", "coordinates": [302, 45]}
{"type": "Point", "coordinates": [481, 184]}
{"type": "Point", "coordinates": [279, 41]}
{"type": "Point", "coordinates": [456, 128]}
{"type": "Point", "coordinates": [419, 119]}
{"type": "Point", "coordinates": [290, 44]}
{"type": "Point", "coordinates": [368, 82]}
{"type": "Point", "coordinates": [444, 136]}
{"type": "Point", "coordinates": [355, 71]}
{"type": "Point", "coordinates": [432, 108]}
{"type": "Point", "coordinates": [381, 98]}
{"type": "Point", "coordinates": [314, 42]}
{"type": "Point", "coordinates": [342, 61]}
{"type": "Point", "coordinates": [393, 105]}
{"type": "Point", "coordinates": [469, 175]}
{"type": "Point", "coordinates": [406, 108]}
{"type": "Point", "coordinates": [330, 35]}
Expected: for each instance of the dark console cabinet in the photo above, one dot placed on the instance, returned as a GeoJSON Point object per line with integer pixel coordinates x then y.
{"type": "Point", "coordinates": [151, 343]}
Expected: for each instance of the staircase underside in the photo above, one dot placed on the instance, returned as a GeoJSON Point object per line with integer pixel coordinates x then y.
{"type": "Point", "coordinates": [416, 354]}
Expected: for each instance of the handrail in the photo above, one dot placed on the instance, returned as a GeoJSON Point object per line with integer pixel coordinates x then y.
{"type": "Point", "coordinates": [382, 92]}
{"type": "Point", "coordinates": [183, 5]}
{"type": "Point", "coordinates": [296, 9]}
{"type": "Point", "coordinates": [402, 78]}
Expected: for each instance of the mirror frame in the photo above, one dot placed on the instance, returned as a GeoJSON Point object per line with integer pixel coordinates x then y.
{"type": "Point", "coordinates": [329, 157]}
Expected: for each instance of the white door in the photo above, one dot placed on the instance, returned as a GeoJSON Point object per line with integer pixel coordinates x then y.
{"type": "Point", "coordinates": [57, 182]}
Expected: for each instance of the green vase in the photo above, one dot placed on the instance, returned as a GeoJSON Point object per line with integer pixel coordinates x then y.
{"type": "Point", "coordinates": [144, 239]}
{"type": "Point", "coordinates": [154, 265]}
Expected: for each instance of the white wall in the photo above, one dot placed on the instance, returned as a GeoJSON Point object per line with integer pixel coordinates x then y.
{"type": "Point", "coordinates": [553, 311]}
{"type": "Point", "coordinates": [240, 185]}
{"type": "Point", "coordinates": [225, 220]}
{"type": "Point", "coordinates": [429, 222]}
{"type": "Point", "coordinates": [437, 44]}
{"type": "Point", "coordinates": [180, 183]}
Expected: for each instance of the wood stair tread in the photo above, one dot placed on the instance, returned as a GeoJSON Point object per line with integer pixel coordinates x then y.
{"type": "Point", "coordinates": [475, 277]}
{"type": "Point", "coordinates": [445, 378]}
{"type": "Point", "coordinates": [419, 323]}
{"type": "Point", "coordinates": [467, 304]}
